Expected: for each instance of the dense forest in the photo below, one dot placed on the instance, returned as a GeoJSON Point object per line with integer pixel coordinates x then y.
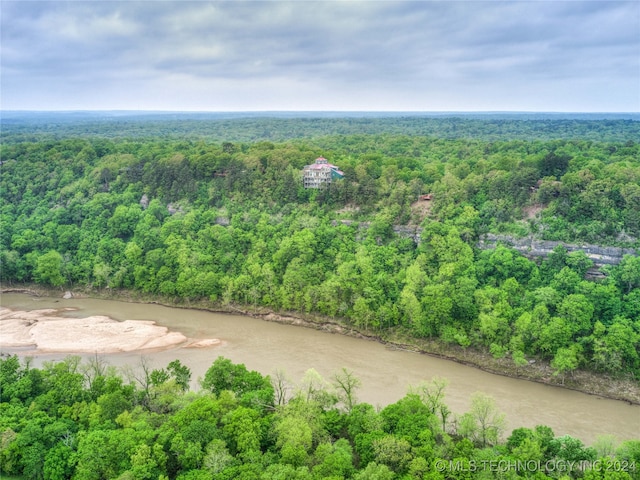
{"type": "Point", "coordinates": [230, 223]}
{"type": "Point", "coordinates": [87, 422]}
{"type": "Point", "coordinates": [214, 211]}
{"type": "Point", "coordinates": [282, 126]}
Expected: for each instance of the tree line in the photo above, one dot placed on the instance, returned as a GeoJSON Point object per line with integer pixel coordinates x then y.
{"type": "Point", "coordinates": [279, 127]}
{"type": "Point", "coordinates": [88, 421]}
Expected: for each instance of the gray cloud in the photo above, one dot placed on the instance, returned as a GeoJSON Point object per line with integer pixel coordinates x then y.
{"type": "Point", "coordinates": [322, 55]}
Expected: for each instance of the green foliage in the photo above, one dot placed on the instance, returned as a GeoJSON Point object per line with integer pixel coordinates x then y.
{"type": "Point", "coordinates": [49, 269]}
{"type": "Point", "coordinates": [565, 360]}
{"type": "Point", "coordinates": [226, 221]}
{"type": "Point", "coordinates": [483, 423]}
{"type": "Point", "coordinates": [249, 386]}
{"type": "Point", "coordinates": [215, 436]}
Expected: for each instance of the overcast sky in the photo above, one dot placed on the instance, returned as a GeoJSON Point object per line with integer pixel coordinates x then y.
{"type": "Point", "coordinates": [572, 56]}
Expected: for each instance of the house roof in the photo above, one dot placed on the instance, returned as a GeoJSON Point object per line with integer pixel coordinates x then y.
{"type": "Point", "coordinates": [322, 163]}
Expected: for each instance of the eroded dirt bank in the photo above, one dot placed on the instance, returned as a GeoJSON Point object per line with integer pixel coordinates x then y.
{"type": "Point", "coordinates": [536, 371]}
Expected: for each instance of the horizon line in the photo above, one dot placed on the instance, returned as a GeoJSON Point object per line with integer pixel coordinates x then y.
{"type": "Point", "coordinates": [314, 111]}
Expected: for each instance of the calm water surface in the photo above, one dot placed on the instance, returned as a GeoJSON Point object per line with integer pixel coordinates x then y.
{"type": "Point", "coordinates": [385, 374]}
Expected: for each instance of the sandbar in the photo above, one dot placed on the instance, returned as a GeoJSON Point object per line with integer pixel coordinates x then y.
{"type": "Point", "coordinates": [47, 331]}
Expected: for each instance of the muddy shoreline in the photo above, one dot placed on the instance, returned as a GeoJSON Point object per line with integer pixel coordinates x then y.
{"type": "Point", "coordinates": [538, 371]}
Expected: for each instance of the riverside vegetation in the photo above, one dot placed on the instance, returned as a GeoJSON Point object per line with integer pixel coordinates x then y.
{"type": "Point", "coordinates": [228, 223]}
{"type": "Point", "coordinates": [87, 422]}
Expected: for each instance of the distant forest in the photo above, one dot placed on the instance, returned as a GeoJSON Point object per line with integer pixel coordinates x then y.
{"type": "Point", "coordinates": [282, 126]}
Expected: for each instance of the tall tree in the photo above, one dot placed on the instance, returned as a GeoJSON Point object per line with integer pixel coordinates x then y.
{"type": "Point", "coordinates": [49, 269]}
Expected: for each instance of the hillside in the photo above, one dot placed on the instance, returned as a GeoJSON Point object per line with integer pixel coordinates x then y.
{"type": "Point", "coordinates": [230, 223]}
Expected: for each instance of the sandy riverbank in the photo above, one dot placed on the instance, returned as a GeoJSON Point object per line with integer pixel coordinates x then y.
{"type": "Point", "coordinates": [48, 331]}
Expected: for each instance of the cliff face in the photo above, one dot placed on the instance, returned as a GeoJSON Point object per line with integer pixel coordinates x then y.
{"type": "Point", "coordinates": [530, 247]}
{"type": "Point", "coordinates": [541, 248]}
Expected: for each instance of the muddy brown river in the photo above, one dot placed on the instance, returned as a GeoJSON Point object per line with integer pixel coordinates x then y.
{"type": "Point", "coordinates": [385, 374]}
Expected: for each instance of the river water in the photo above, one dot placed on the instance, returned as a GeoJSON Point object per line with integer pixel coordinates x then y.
{"type": "Point", "coordinates": [385, 374]}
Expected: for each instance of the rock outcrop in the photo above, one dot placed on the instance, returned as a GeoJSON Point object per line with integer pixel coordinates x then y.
{"type": "Point", "coordinates": [531, 247]}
